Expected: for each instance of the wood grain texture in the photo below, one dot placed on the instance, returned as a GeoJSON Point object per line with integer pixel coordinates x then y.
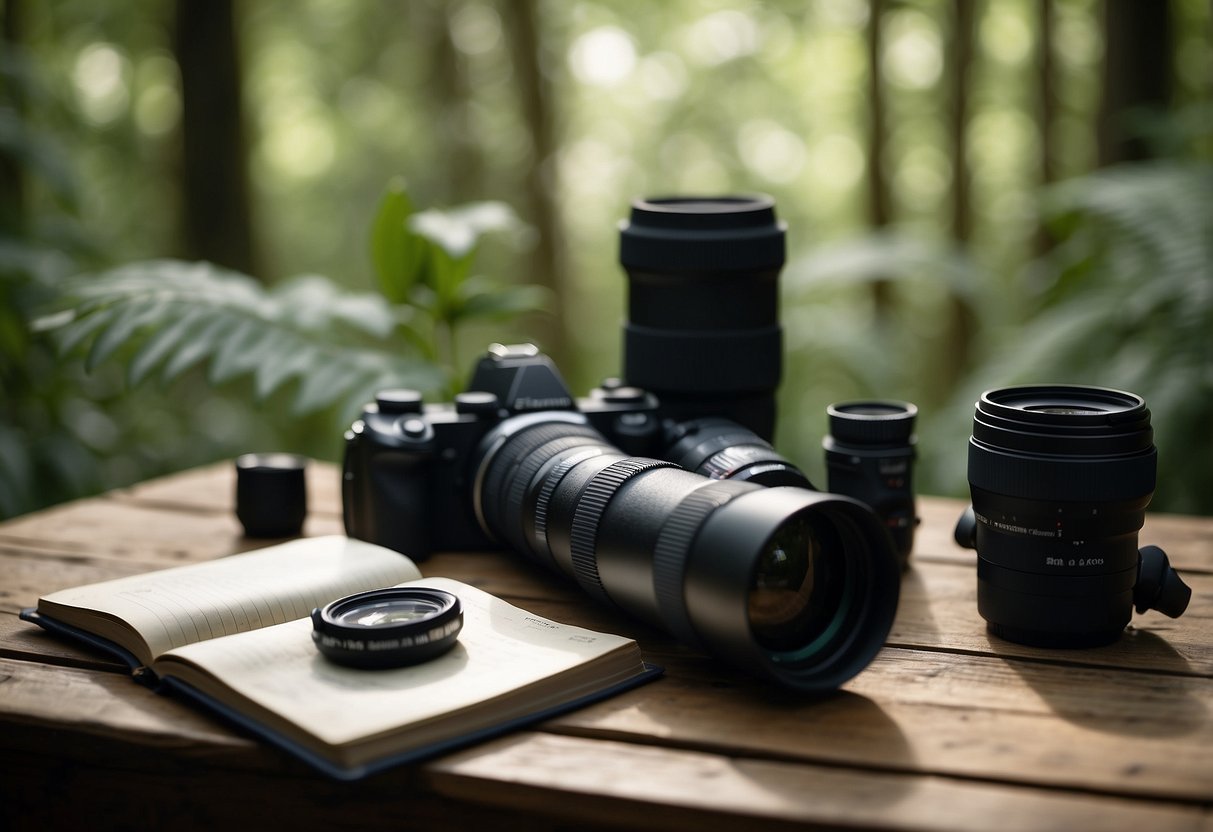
{"type": "Point", "coordinates": [949, 728]}
{"type": "Point", "coordinates": [629, 785]}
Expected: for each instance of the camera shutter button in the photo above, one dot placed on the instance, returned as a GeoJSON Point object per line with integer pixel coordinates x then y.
{"type": "Point", "coordinates": [413, 428]}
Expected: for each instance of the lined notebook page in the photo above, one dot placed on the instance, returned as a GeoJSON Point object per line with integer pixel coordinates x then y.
{"type": "Point", "coordinates": [235, 594]}
{"type": "Point", "coordinates": [501, 648]}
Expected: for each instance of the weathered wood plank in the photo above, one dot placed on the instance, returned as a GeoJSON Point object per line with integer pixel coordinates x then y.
{"type": "Point", "coordinates": [937, 713]}
{"type": "Point", "coordinates": [938, 609]}
{"type": "Point", "coordinates": [105, 529]}
{"type": "Point", "coordinates": [213, 488]}
{"type": "Point", "coordinates": [610, 782]}
{"type": "Point", "coordinates": [630, 785]}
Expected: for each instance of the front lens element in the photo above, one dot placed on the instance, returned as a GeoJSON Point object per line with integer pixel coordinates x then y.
{"type": "Point", "coordinates": [798, 589]}
{"type": "Point", "coordinates": [388, 613]}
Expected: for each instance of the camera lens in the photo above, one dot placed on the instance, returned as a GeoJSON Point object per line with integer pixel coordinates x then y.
{"type": "Point", "coordinates": [870, 456]}
{"type": "Point", "coordinates": [703, 327]}
{"type": "Point", "coordinates": [1060, 478]}
{"type": "Point", "coordinates": [388, 627]}
{"type": "Point", "coordinates": [724, 450]}
{"type": "Point", "coordinates": [790, 584]}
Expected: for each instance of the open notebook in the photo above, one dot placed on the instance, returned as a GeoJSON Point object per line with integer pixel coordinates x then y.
{"type": "Point", "coordinates": [234, 635]}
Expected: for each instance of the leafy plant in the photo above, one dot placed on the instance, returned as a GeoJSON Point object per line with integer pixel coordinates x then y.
{"type": "Point", "coordinates": [165, 316]}
{"type": "Point", "coordinates": [1125, 300]}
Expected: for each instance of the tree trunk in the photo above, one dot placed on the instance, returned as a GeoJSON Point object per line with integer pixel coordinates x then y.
{"type": "Point", "coordinates": [962, 64]}
{"type": "Point", "coordinates": [1046, 93]}
{"type": "Point", "coordinates": [879, 201]}
{"type": "Point", "coordinates": [962, 325]}
{"type": "Point", "coordinates": [450, 94]}
{"type": "Point", "coordinates": [1137, 74]}
{"type": "Point", "coordinates": [12, 177]}
{"type": "Point", "coordinates": [548, 260]}
{"type": "Point", "coordinates": [216, 215]}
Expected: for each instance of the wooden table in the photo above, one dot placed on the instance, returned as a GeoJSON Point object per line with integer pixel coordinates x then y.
{"type": "Point", "coordinates": [949, 728]}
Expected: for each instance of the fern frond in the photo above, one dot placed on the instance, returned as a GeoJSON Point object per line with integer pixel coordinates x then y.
{"type": "Point", "coordinates": [177, 315]}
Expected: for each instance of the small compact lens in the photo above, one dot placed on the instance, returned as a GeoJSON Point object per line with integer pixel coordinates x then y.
{"type": "Point", "coordinates": [388, 627]}
{"type": "Point", "coordinates": [870, 456]}
{"type": "Point", "coordinates": [1060, 477]}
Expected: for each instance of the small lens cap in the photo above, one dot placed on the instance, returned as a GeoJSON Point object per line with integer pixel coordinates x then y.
{"type": "Point", "coordinates": [271, 494]}
{"type": "Point", "coordinates": [390, 627]}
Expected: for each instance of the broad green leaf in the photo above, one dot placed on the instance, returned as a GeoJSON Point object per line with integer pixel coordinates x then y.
{"type": "Point", "coordinates": [326, 384]}
{"type": "Point", "coordinates": [396, 253]}
{"type": "Point", "coordinates": [495, 302]}
{"type": "Point", "coordinates": [277, 369]}
{"type": "Point", "coordinates": [458, 230]}
{"type": "Point", "coordinates": [202, 344]}
{"type": "Point", "coordinates": [238, 353]}
{"type": "Point", "coordinates": [160, 344]}
{"type": "Point", "coordinates": [132, 317]}
{"type": "Point", "coordinates": [313, 303]}
{"type": "Point", "coordinates": [75, 333]}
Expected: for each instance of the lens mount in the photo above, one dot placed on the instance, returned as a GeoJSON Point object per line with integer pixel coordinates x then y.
{"type": "Point", "coordinates": [389, 627]}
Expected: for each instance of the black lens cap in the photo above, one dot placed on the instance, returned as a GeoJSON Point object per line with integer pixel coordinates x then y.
{"type": "Point", "coordinates": [389, 627]}
{"type": "Point", "coordinates": [271, 494]}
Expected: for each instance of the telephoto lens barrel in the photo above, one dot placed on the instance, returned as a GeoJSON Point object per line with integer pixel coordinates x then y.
{"type": "Point", "coordinates": [703, 327]}
{"type": "Point", "coordinates": [789, 584]}
{"type": "Point", "coordinates": [1060, 477]}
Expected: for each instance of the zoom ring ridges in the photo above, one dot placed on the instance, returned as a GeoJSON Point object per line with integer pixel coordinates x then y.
{"type": "Point", "coordinates": [550, 481]}
{"type": "Point", "coordinates": [597, 494]}
{"type": "Point", "coordinates": [674, 542]}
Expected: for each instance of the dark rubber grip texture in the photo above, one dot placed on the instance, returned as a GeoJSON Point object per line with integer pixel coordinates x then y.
{"type": "Point", "coordinates": [594, 498]}
{"type": "Point", "coordinates": [674, 543]}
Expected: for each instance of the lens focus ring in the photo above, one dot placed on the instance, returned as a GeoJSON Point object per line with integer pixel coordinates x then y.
{"type": "Point", "coordinates": [594, 499]}
{"type": "Point", "coordinates": [673, 544]}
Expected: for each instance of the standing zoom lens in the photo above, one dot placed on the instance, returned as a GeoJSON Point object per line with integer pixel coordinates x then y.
{"type": "Point", "coordinates": [1060, 478]}
{"type": "Point", "coordinates": [703, 327]}
{"type": "Point", "coordinates": [789, 584]}
{"type": "Point", "coordinates": [870, 456]}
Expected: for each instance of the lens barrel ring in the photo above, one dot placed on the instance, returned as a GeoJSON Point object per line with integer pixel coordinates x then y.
{"type": "Point", "coordinates": [590, 507]}
{"type": "Point", "coordinates": [673, 546]}
{"type": "Point", "coordinates": [516, 452]}
{"type": "Point", "coordinates": [543, 501]}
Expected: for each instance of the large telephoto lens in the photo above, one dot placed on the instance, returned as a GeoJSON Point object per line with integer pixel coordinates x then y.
{"type": "Point", "coordinates": [1060, 478]}
{"type": "Point", "coordinates": [786, 583]}
{"type": "Point", "coordinates": [703, 327]}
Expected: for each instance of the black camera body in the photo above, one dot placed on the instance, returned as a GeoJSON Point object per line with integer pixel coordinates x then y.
{"type": "Point", "coordinates": [410, 468]}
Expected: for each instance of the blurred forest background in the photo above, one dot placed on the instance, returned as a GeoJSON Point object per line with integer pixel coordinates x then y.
{"type": "Point", "coordinates": [977, 192]}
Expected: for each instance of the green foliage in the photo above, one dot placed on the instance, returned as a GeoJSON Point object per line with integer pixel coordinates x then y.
{"type": "Point", "coordinates": [424, 260]}
{"type": "Point", "coordinates": [1125, 300]}
{"type": "Point", "coordinates": [163, 317]}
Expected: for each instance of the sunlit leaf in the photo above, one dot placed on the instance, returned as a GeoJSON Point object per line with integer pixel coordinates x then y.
{"type": "Point", "coordinates": [396, 252]}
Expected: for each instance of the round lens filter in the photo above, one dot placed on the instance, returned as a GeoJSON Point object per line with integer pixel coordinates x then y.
{"type": "Point", "coordinates": [388, 627]}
